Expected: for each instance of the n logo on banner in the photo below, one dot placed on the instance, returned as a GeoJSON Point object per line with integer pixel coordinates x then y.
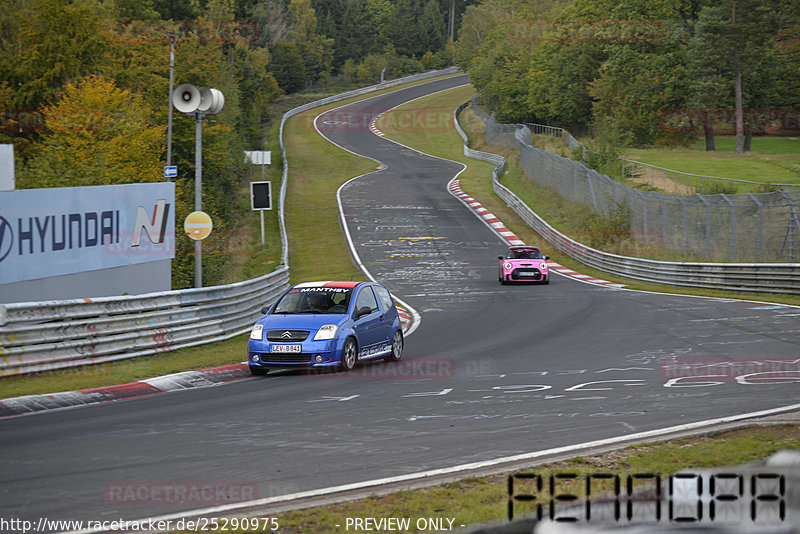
{"type": "Point", "coordinates": [155, 227]}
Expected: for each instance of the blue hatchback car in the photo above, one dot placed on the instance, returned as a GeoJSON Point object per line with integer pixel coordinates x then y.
{"type": "Point", "coordinates": [326, 324]}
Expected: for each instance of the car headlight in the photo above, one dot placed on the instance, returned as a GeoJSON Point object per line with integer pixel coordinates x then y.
{"type": "Point", "coordinates": [508, 265]}
{"type": "Point", "coordinates": [543, 266]}
{"type": "Point", "coordinates": [257, 332]}
{"type": "Point", "coordinates": [326, 331]}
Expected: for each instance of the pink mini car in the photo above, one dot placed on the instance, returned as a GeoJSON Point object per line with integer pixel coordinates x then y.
{"type": "Point", "coordinates": [523, 263]}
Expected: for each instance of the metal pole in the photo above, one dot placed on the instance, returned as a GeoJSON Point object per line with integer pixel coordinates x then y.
{"type": "Point", "coordinates": [733, 226]}
{"type": "Point", "coordinates": [198, 194]}
{"type": "Point", "coordinates": [760, 225]}
{"type": "Point", "coordinates": [171, 83]}
{"type": "Point", "coordinates": [262, 211]}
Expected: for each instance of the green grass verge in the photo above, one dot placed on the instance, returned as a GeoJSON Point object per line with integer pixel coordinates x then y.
{"type": "Point", "coordinates": [317, 169]}
{"type": "Point", "coordinates": [477, 500]}
{"type": "Point", "coordinates": [123, 371]}
{"type": "Point", "coordinates": [772, 159]}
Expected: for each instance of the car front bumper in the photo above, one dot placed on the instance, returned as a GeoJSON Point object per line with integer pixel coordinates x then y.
{"type": "Point", "coordinates": [312, 354]}
{"type": "Point", "coordinates": [526, 275]}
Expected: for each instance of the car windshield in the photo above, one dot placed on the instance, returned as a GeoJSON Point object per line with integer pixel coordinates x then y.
{"type": "Point", "coordinates": [524, 254]}
{"type": "Point", "coordinates": [332, 300]}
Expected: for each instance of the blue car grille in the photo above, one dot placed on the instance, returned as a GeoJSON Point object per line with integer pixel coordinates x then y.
{"type": "Point", "coordinates": [287, 335]}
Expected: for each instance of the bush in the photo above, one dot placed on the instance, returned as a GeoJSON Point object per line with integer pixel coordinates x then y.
{"type": "Point", "coordinates": [717, 187]}
{"type": "Point", "coordinates": [605, 232]}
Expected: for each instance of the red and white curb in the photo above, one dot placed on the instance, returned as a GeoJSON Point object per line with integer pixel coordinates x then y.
{"type": "Point", "coordinates": [406, 317]}
{"type": "Point", "coordinates": [374, 129]}
{"type": "Point", "coordinates": [490, 218]}
{"type": "Point", "coordinates": [566, 271]}
{"type": "Point", "coordinates": [511, 238]}
{"type": "Point", "coordinates": [30, 404]}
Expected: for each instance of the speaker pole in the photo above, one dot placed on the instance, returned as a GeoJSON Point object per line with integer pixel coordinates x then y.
{"type": "Point", "coordinates": [198, 102]}
{"type": "Point", "coordinates": [171, 83]}
{"type": "Point", "coordinates": [198, 194]}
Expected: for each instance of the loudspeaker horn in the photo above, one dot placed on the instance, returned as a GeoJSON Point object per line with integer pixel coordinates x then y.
{"type": "Point", "coordinates": [218, 102]}
{"type": "Point", "coordinates": [186, 98]}
{"type": "Point", "coordinates": [211, 101]}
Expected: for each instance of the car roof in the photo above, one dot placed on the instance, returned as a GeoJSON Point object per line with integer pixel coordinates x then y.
{"type": "Point", "coordinates": [329, 283]}
{"type": "Point", "coordinates": [523, 247]}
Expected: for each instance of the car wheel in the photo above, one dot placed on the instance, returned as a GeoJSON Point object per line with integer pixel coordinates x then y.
{"type": "Point", "coordinates": [397, 347]}
{"type": "Point", "coordinates": [258, 371]}
{"type": "Point", "coordinates": [349, 355]}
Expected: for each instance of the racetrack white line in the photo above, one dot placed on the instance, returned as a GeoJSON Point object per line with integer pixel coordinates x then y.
{"type": "Point", "coordinates": [218, 510]}
{"type": "Point", "coordinates": [417, 318]}
{"type": "Point", "coordinates": [227, 508]}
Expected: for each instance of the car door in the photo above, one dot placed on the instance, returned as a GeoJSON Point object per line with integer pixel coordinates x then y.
{"type": "Point", "coordinates": [369, 328]}
{"type": "Point", "coordinates": [388, 312]}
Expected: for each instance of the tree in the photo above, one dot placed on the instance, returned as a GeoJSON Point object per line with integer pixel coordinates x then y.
{"type": "Point", "coordinates": [732, 39]}
{"type": "Point", "coordinates": [315, 50]}
{"type": "Point", "coordinates": [404, 33]}
{"type": "Point", "coordinates": [432, 28]}
{"type": "Point", "coordinates": [98, 134]}
{"type": "Point", "coordinates": [288, 67]}
{"type": "Point", "coordinates": [56, 41]}
{"type": "Point", "coordinates": [273, 22]}
{"type": "Point", "coordinates": [127, 10]}
{"type": "Point", "coordinates": [172, 10]}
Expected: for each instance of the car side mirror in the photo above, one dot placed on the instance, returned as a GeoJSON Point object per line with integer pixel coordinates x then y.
{"type": "Point", "coordinates": [264, 310]}
{"type": "Point", "coordinates": [500, 257]}
{"type": "Point", "coordinates": [365, 310]}
{"type": "Point", "coordinates": [547, 258]}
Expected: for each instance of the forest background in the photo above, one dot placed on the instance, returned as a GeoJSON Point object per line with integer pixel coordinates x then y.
{"type": "Point", "coordinates": [84, 83]}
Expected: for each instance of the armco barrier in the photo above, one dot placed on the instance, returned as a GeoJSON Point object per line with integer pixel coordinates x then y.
{"type": "Point", "coordinates": [752, 277]}
{"type": "Point", "coordinates": [51, 335]}
{"type": "Point", "coordinates": [45, 336]}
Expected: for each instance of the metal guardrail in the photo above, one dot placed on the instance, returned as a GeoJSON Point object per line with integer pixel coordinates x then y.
{"type": "Point", "coordinates": [51, 335]}
{"type": "Point", "coordinates": [752, 277]}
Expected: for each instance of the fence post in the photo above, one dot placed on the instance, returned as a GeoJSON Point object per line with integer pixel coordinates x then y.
{"type": "Point", "coordinates": [663, 220]}
{"type": "Point", "coordinates": [708, 224]}
{"type": "Point", "coordinates": [760, 207]}
{"type": "Point", "coordinates": [790, 226]}
{"type": "Point", "coordinates": [733, 225]}
{"type": "Point", "coordinates": [684, 222]}
{"type": "Point", "coordinates": [644, 216]}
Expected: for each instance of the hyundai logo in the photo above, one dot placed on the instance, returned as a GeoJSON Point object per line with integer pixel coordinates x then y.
{"type": "Point", "coordinates": [286, 335]}
{"type": "Point", "coordinates": [6, 238]}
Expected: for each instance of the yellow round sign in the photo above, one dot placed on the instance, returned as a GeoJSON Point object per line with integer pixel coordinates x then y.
{"type": "Point", "coordinates": [197, 225]}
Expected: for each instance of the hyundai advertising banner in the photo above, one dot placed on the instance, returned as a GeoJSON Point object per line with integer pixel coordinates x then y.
{"type": "Point", "coordinates": [65, 230]}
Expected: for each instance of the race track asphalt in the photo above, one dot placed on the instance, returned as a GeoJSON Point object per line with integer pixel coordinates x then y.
{"type": "Point", "coordinates": [492, 371]}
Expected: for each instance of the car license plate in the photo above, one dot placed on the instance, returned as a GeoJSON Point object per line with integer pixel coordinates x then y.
{"type": "Point", "coordinates": [286, 348]}
{"type": "Point", "coordinates": [527, 274]}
